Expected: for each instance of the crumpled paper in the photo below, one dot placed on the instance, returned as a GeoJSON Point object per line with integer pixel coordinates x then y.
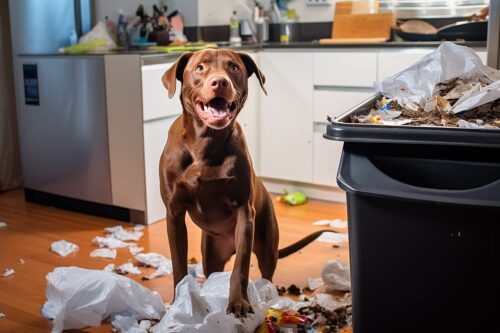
{"type": "Point", "coordinates": [163, 265]}
{"type": "Point", "coordinates": [416, 83]}
{"type": "Point", "coordinates": [203, 309]}
{"type": "Point", "coordinates": [78, 297]}
{"type": "Point", "coordinates": [127, 268]}
{"type": "Point", "coordinates": [336, 223]}
{"type": "Point", "coordinates": [8, 272]}
{"type": "Point", "coordinates": [336, 275]}
{"type": "Point", "coordinates": [111, 242]}
{"type": "Point", "coordinates": [333, 237]}
{"type": "Point", "coordinates": [127, 324]}
{"type": "Point", "coordinates": [124, 235]}
{"type": "Point", "coordinates": [104, 253]}
{"type": "Point", "coordinates": [63, 248]}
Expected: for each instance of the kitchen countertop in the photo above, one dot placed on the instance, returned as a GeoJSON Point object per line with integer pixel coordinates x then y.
{"type": "Point", "coordinates": [270, 45]}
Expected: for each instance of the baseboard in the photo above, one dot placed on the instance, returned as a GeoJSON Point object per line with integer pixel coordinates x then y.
{"type": "Point", "coordinates": [320, 192]}
{"type": "Point", "coordinates": [82, 206]}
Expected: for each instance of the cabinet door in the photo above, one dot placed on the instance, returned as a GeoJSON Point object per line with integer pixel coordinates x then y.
{"type": "Point", "coordinates": [249, 118]}
{"type": "Point", "coordinates": [155, 101]}
{"type": "Point", "coordinates": [286, 124]}
{"type": "Point", "coordinates": [155, 137]}
{"type": "Point", "coordinates": [393, 62]}
{"type": "Point", "coordinates": [345, 68]}
{"type": "Point", "coordinates": [326, 160]}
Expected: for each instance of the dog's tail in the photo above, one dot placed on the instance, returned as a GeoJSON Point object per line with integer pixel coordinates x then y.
{"type": "Point", "coordinates": [301, 243]}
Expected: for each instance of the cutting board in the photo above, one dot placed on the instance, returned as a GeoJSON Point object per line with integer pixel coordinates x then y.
{"type": "Point", "coordinates": [361, 19]}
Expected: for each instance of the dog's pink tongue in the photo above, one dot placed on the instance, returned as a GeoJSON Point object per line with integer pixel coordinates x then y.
{"type": "Point", "coordinates": [217, 106]}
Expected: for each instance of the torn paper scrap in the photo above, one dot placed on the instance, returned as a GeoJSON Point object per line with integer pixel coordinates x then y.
{"type": "Point", "coordinates": [336, 275]}
{"type": "Point", "coordinates": [119, 233]}
{"type": "Point", "coordinates": [139, 227]}
{"type": "Point", "coordinates": [337, 223]}
{"type": "Point", "coordinates": [333, 237]}
{"type": "Point", "coordinates": [3, 225]}
{"type": "Point", "coordinates": [111, 242]}
{"type": "Point", "coordinates": [22, 261]}
{"type": "Point", "coordinates": [2, 315]}
{"type": "Point", "coordinates": [199, 309]}
{"type": "Point", "coordinates": [315, 283]}
{"type": "Point", "coordinates": [151, 259]}
{"type": "Point", "coordinates": [63, 248]}
{"type": "Point", "coordinates": [134, 250]}
{"type": "Point", "coordinates": [109, 268]}
{"type": "Point", "coordinates": [128, 267]}
{"type": "Point", "coordinates": [330, 302]}
{"type": "Point", "coordinates": [104, 253]}
{"type": "Point", "coordinates": [164, 268]}
{"type": "Point", "coordinates": [8, 272]}
{"type": "Point", "coordinates": [78, 298]}
{"type": "Point", "coordinates": [128, 324]}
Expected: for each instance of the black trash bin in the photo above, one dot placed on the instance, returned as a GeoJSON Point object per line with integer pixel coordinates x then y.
{"type": "Point", "coordinates": [424, 226]}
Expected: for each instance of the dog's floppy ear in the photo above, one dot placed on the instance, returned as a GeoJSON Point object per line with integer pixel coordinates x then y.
{"type": "Point", "coordinates": [252, 68]}
{"type": "Point", "coordinates": [175, 72]}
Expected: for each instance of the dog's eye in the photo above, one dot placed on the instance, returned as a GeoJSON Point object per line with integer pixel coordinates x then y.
{"type": "Point", "coordinates": [234, 68]}
{"type": "Point", "coordinates": [199, 68]}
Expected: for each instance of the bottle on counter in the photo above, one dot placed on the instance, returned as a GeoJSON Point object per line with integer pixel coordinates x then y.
{"type": "Point", "coordinates": [234, 30]}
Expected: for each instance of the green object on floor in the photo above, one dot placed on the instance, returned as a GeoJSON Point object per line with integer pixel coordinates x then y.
{"type": "Point", "coordinates": [183, 48]}
{"type": "Point", "coordinates": [296, 198]}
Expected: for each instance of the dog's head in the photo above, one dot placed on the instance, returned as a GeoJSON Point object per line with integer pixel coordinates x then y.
{"type": "Point", "coordinates": [214, 84]}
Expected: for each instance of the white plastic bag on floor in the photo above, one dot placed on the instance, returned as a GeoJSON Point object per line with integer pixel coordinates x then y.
{"type": "Point", "coordinates": [449, 61]}
{"type": "Point", "coordinates": [78, 297]}
{"type": "Point", "coordinates": [336, 275]}
{"type": "Point", "coordinates": [203, 308]}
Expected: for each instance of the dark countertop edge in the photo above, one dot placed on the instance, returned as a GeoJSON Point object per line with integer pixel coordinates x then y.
{"type": "Point", "coordinates": [271, 45]}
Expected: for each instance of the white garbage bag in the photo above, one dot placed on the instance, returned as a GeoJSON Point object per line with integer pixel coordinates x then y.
{"type": "Point", "coordinates": [78, 297]}
{"type": "Point", "coordinates": [203, 309]}
{"type": "Point", "coordinates": [449, 61]}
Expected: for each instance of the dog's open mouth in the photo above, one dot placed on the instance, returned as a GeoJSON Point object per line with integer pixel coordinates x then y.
{"type": "Point", "coordinates": [217, 112]}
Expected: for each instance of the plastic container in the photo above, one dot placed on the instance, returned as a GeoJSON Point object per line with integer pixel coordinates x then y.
{"type": "Point", "coordinates": [424, 222]}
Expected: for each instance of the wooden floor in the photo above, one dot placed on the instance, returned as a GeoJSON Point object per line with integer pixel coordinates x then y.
{"type": "Point", "coordinates": [32, 228]}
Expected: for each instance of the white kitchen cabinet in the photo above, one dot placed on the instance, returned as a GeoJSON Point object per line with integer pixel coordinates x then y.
{"type": "Point", "coordinates": [286, 117]}
{"type": "Point", "coordinates": [155, 137]}
{"type": "Point", "coordinates": [392, 62]}
{"type": "Point", "coordinates": [326, 159]}
{"type": "Point", "coordinates": [249, 117]}
{"type": "Point", "coordinates": [155, 101]}
{"type": "Point", "coordinates": [334, 102]}
{"type": "Point", "coordinates": [345, 68]}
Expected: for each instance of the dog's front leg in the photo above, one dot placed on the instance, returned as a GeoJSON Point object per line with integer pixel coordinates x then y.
{"type": "Point", "coordinates": [177, 240]}
{"type": "Point", "coordinates": [238, 294]}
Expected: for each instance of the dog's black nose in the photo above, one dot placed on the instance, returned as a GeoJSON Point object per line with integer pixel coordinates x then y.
{"type": "Point", "coordinates": [218, 82]}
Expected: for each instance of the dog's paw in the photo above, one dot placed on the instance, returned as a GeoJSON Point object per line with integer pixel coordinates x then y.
{"type": "Point", "coordinates": [239, 307]}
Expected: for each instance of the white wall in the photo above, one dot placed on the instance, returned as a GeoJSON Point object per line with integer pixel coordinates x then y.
{"type": "Point", "coordinates": [207, 12]}
{"type": "Point", "coordinates": [103, 8]}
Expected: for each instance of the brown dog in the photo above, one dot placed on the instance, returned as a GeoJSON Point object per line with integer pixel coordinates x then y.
{"type": "Point", "coordinates": [206, 170]}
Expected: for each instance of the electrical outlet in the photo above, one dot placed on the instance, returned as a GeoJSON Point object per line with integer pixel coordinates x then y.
{"type": "Point", "coordinates": [318, 2]}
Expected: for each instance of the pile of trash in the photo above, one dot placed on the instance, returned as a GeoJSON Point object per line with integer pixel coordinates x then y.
{"type": "Point", "coordinates": [448, 88]}
{"type": "Point", "coordinates": [77, 298]}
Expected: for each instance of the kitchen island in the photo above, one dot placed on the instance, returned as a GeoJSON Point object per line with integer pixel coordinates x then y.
{"type": "Point", "coordinates": [306, 82]}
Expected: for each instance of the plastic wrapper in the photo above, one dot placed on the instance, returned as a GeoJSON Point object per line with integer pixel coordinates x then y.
{"type": "Point", "coordinates": [416, 84]}
{"type": "Point", "coordinates": [104, 253]}
{"type": "Point", "coordinates": [333, 237]}
{"type": "Point", "coordinates": [78, 298]}
{"type": "Point", "coordinates": [63, 248]}
{"type": "Point", "coordinates": [336, 275]}
{"type": "Point", "coordinates": [98, 32]}
{"type": "Point", "coordinates": [203, 309]}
